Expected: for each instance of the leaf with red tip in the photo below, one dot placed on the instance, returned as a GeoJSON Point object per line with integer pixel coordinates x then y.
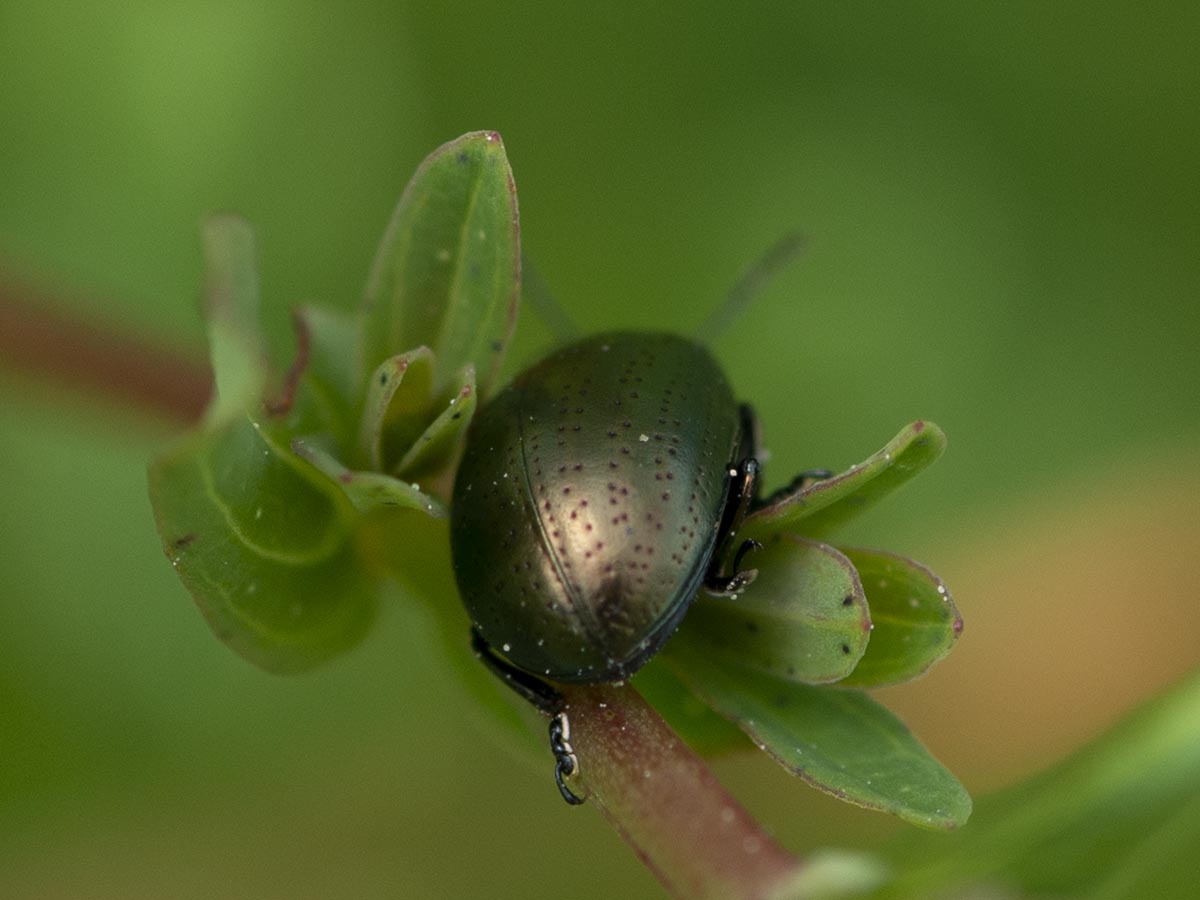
{"type": "Point", "coordinates": [366, 491]}
{"type": "Point", "coordinates": [818, 508]}
{"type": "Point", "coordinates": [447, 275]}
{"type": "Point", "coordinates": [916, 622]}
{"type": "Point", "coordinates": [434, 449]}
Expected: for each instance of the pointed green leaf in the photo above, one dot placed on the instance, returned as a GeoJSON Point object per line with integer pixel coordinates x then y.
{"type": "Point", "coordinates": [840, 741]}
{"type": "Point", "coordinates": [434, 450]}
{"type": "Point", "coordinates": [818, 508]}
{"type": "Point", "coordinates": [804, 618]}
{"type": "Point", "coordinates": [447, 275]}
{"type": "Point", "coordinates": [367, 491]}
{"type": "Point", "coordinates": [261, 547]}
{"type": "Point", "coordinates": [398, 408]}
{"type": "Point", "coordinates": [231, 299]}
{"type": "Point", "coordinates": [915, 621]}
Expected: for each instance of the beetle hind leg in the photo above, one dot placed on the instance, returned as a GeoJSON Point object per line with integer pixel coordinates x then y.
{"type": "Point", "coordinates": [546, 700]}
{"type": "Point", "coordinates": [565, 763]}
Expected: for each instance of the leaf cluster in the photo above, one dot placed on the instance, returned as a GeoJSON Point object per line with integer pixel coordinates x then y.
{"type": "Point", "coordinates": [300, 492]}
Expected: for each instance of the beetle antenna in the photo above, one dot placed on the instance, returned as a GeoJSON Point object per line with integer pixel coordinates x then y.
{"type": "Point", "coordinates": [538, 295]}
{"type": "Point", "coordinates": [750, 285]}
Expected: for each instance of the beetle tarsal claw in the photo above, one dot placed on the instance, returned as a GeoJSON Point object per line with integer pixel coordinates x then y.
{"type": "Point", "coordinates": [565, 761]}
{"type": "Point", "coordinates": [748, 546]}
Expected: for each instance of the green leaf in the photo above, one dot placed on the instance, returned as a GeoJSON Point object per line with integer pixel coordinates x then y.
{"type": "Point", "coordinates": [840, 741]}
{"type": "Point", "coordinates": [435, 448]}
{"type": "Point", "coordinates": [262, 547]}
{"type": "Point", "coordinates": [447, 275]}
{"type": "Point", "coordinates": [1120, 818]}
{"type": "Point", "coordinates": [915, 621]}
{"type": "Point", "coordinates": [1161, 863]}
{"type": "Point", "coordinates": [231, 299]}
{"type": "Point", "coordinates": [366, 491]}
{"type": "Point", "coordinates": [397, 409]}
{"type": "Point", "coordinates": [258, 537]}
{"type": "Point", "coordinates": [804, 618]}
{"type": "Point", "coordinates": [326, 388]}
{"type": "Point", "coordinates": [407, 431]}
{"type": "Point", "coordinates": [816, 509]}
{"type": "Point", "coordinates": [701, 729]}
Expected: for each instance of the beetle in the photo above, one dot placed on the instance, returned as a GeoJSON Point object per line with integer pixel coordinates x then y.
{"type": "Point", "coordinates": [597, 494]}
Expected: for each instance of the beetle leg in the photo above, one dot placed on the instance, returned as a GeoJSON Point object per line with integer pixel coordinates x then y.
{"type": "Point", "coordinates": [546, 700]}
{"type": "Point", "coordinates": [743, 483]}
{"type": "Point", "coordinates": [731, 585]}
{"type": "Point", "coordinates": [565, 762]}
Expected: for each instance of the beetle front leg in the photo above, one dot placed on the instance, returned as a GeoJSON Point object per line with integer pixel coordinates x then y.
{"type": "Point", "coordinates": [546, 700]}
{"type": "Point", "coordinates": [742, 489]}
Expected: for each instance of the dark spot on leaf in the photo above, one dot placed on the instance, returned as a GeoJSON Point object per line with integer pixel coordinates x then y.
{"type": "Point", "coordinates": [497, 346]}
{"type": "Point", "coordinates": [849, 601]}
{"type": "Point", "coordinates": [383, 377]}
{"type": "Point", "coordinates": [846, 649]}
{"type": "Point", "coordinates": [181, 542]}
{"type": "Point", "coordinates": [462, 158]}
{"type": "Point", "coordinates": [752, 627]}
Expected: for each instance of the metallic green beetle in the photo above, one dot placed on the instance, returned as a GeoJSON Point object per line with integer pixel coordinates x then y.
{"type": "Point", "coordinates": [598, 493]}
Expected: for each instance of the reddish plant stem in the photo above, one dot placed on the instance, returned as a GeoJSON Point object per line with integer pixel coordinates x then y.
{"type": "Point", "coordinates": [666, 803]}
{"type": "Point", "coordinates": [99, 359]}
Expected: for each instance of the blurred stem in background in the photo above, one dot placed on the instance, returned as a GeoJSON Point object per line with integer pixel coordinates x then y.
{"type": "Point", "coordinates": [37, 336]}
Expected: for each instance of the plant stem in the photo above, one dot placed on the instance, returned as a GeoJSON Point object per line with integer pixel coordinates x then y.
{"type": "Point", "coordinates": [666, 803]}
{"type": "Point", "coordinates": [99, 359]}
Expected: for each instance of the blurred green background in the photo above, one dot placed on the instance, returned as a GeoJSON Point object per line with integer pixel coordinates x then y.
{"type": "Point", "coordinates": [1004, 208]}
